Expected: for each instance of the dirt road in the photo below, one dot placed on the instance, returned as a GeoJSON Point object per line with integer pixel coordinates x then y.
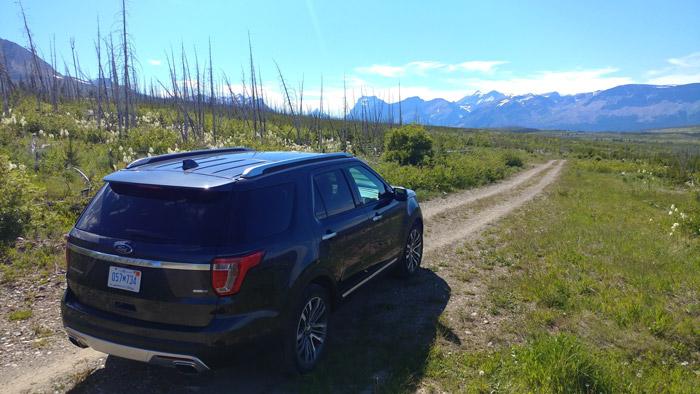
{"type": "Point", "coordinates": [360, 337]}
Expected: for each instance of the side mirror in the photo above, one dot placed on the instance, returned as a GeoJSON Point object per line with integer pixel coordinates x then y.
{"type": "Point", "coordinates": [400, 193]}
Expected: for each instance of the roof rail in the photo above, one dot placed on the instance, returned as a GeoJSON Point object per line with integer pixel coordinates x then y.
{"type": "Point", "coordinates": [258, 170]}
{"type": "Point", "coordinates": [170, 156]}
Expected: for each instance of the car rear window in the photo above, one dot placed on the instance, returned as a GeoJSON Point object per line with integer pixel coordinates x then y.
{"type": "Point", "coordinates": [159, 214]}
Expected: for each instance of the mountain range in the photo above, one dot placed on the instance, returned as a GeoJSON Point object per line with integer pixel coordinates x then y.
{"type": "Point", "coordinates": [622, 108]}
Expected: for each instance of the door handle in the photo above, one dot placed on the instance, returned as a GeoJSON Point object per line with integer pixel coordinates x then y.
{"type": "Point", "coordinates": [328, 236]}
{"type": "Point", "coordinates": [377, 217]}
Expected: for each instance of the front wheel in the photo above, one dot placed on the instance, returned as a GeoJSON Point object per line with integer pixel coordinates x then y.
{"type": "Point", "coordinates": [307, 334]}
{"type": "Point", "coordinates": [413, 251]}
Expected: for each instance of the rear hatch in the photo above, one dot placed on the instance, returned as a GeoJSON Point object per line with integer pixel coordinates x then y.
{"type": "Point", "coordinates": [144, 252]}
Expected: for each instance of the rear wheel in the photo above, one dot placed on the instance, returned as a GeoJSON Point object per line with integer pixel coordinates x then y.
{"type": "Point", "coordinates": [308, 330]}
{"type": "Point", "coordinates": [413, 251]}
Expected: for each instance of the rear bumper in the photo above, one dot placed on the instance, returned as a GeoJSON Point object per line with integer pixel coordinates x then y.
{"type": "Point", "coordinates": [138, 354]}
{"type": "Point", "coordinates": [167, 344]}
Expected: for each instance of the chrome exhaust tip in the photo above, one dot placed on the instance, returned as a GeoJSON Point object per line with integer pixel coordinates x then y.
{"type": "Point", "coordinates": [77, 342]}
{"type": "Point", "coordinates": [182, 364]}
{"type": "Point", "coordinates": [186, 367]}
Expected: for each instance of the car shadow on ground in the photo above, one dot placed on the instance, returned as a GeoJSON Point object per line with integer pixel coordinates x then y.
{"type": "Point", "coordinates": [380, 338]}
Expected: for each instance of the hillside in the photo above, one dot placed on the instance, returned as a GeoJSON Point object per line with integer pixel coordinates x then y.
{"type": "Point", "coordinates": [19, 61]}
{"type": "Point", "coordinates": [622, 108]}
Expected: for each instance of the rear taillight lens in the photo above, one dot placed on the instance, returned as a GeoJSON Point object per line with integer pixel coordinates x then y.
{"type": "Point", "coordinates": [228, 273]}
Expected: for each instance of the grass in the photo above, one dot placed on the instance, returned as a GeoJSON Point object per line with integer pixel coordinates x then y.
{"type": "Point", "coordinates": [18, 315]}
{"type": "Point", "coordinates": [600, 294]}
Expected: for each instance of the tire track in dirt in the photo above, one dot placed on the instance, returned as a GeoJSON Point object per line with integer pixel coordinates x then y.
{"type": "Point", "coordinates": [439, 205]}
{"type": "Point", "coordinates": [448, 229]}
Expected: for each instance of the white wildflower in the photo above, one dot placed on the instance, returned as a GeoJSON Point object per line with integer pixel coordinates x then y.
{"type": "Point", "coordinates": [22, 167]}
{"type": "Point", "coordinates": [481, 373]}
{"type": "Point", "coordinates": [11, 166]}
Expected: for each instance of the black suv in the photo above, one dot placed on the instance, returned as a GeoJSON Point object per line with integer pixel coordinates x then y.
{"type": "Point", "coordinates": [180, 258]}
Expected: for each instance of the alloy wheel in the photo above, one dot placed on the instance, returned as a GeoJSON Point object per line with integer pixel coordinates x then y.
{"type": "Point", "coordinates": [414, 250]}
{"type": "Point", "coordinates": [311, 330]}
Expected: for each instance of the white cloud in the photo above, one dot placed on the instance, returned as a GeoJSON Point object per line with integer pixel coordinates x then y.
{"type": "Point", "coordinates": [564, 82]}
{"type": "Point", "coordinates": [154, 62]}
{"type": "Point", "coordinates": [382, 70]}
{"type": "Point", "coordinates": [421, 67]}
{"type": "Point", "coordinates": [680, 70]}
{"type": "Point", "coordinates": [477, 65]}
{"type": "Point", "coordinates": [675, 79]}
{"type": "Point", "coordinates": [692, 60]}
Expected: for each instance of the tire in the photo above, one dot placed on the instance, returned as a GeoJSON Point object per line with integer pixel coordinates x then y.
{"type": "Point", "coordinates": [412, 251]}
{"type": "Point", "coordinates": [306, 333]}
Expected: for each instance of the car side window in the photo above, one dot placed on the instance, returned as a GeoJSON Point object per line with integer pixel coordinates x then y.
{"type": "Point", "coordinates": [369, 187]}
{"type": "Point", "coordinates": [334, 192]}
{"type": "Point", "coordinates": [319, 207]}
{"type": "Point", "coordinates": [264, 212]}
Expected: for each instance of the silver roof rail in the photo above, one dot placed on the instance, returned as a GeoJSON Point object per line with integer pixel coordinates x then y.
{"type": "Point", "coordinates": [179, 155]}
{"type": "Point", "coordinates": [253, 171]}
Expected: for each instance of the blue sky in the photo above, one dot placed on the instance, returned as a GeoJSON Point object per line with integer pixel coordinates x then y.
{"type": "Point", "coordinates": [435, 49]}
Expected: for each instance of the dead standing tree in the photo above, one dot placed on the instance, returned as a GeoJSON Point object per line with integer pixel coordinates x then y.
{"type": "Point", "coordinates": [212, 97]}
{"type": "Point", "coordinates": [100, 77]}
{"type": "Point", "coordinates": [5, 84]}
{"type": "Point", "coordinates": [53, 82]}
{"type": "Point", "coordinates": [125, 48]}
{"type": "Point", "coordinates": [36, 71]}
{"type": "Point", "coordinates": [257, 100]}
{"type": "Point", "coordinates": [289, 103]}
{"type": "Point", "coordinates": [114, 78]}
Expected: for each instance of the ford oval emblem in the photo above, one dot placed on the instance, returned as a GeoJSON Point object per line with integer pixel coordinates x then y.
{"type": "Point", "coordinates": [123, 247]}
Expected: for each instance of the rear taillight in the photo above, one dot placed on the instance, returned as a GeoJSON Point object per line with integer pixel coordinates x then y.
{"type": "Point", "coordinates": [228, 273]}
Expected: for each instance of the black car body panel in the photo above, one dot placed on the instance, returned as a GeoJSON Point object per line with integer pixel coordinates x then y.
{"type": "Point", "coordinates": [277, 208]}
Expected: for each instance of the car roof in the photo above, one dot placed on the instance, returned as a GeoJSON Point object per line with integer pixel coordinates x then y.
{"type": "Point", "coordinates": [212, 168]}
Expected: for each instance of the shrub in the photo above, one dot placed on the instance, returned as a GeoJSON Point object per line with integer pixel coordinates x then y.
{"type": "Point", "coordinates": [408, 145]}
{"type": "Point", "coordinates": [15, 200]}
{"type": "Point", "coordinates": [513, 160]}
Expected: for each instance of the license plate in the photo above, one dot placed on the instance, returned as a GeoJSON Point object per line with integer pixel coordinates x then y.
{"type": "Point", "coordinates": [124, 278]}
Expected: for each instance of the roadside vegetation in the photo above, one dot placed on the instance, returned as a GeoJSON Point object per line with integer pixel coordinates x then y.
{"type": "Point", "coordinates": [598, 290]}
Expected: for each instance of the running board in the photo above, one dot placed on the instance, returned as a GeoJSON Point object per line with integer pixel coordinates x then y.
{"type": "Point", "coordinates": [369, 277]}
